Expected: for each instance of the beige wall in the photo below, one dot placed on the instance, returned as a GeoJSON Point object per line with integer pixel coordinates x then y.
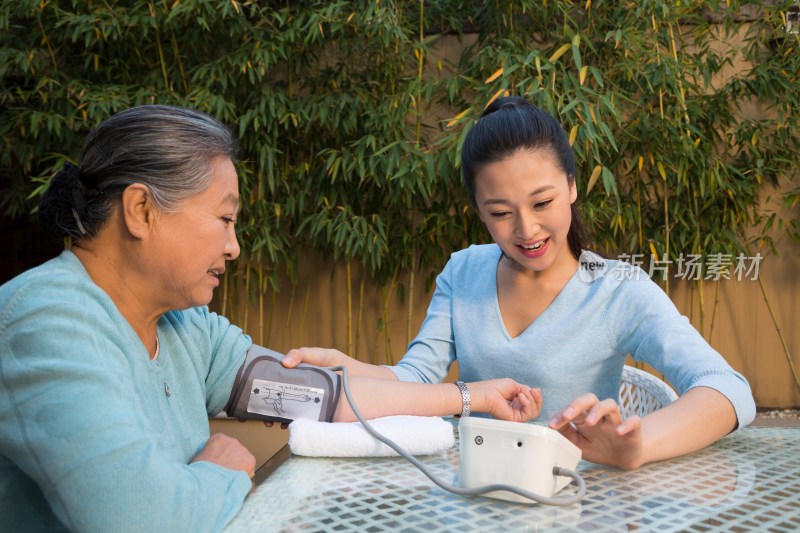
{"type": "Point", "coordinates": [743, 330]}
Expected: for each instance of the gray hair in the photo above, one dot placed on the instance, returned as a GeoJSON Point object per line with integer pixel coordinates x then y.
{"type": "Point", "coordinates": [168, 149]}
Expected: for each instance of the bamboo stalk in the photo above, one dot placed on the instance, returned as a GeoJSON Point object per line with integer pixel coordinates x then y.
{"type": "Point", "coordinates": [46, 40]}
{"type": "Point", "coordinates": [702, 302]}
{"type": "Point", "coordinates": [224, 304]}
{"type": "Point", "coordinates": [666, 236]}
{"type": "Point", "coordinates": [361, 285]}
{"type": "Point", "coordinates": [714, 310]}
{"type": "Point", "coordinates": [289, 75]}
{"type": "Point", "coordinates": [288, 316]}
{"type": "Point", "coordinates": [248, 270]}
{"type": "Point", "coordinates": [349, 301]}
{"type": "Point", "coordinates": [780, 334]}
{"type": "Point", "coordinates": [176, 51]}
{"type": "Point", "coordinates": [305, 312]}
{"type": "Point", "coordinates": [261, 292]}
{"type": "Point", "coordinates": [420, 66]}
{"type": "Point", "coordinates": [381, 292]}
{"type": "Point", "coordinates": [679, 81]}
{"type": "Point", "coordinates": [233, 308]}
{"type": "Point", "coordinates": [160, 50]}
{"type": "Point", "coordinates": [698, 249]}
{"type": "Point", "coordinates": [386, 335]}
{"type": "Point", "coordinates": [639, 211]}
{"type": "Point", "coordinates": [410, 311]}
{"type": "Point", "coordinates": [272, 301]}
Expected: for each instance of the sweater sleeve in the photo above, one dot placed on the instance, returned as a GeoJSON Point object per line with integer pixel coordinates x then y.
{"type": "Point", "coordinates": [74, 423]}
{"type": "Point", "coordinates": [431, 353]}
{"type": "Point", "coordinates": [218, 351]}
{"type": "Point", "coordinates": [647, 325]}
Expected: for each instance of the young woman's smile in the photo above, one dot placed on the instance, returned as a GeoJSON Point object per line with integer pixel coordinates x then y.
{"type": "Point", "coordinates": [524, 200]}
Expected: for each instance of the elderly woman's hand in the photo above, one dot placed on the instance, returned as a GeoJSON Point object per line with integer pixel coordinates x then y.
{"type": "Point", "coordinates": [226, 451]}
{"type": "Point", "coordinates": [506, 399]}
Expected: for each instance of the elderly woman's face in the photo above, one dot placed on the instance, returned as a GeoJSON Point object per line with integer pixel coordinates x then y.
{"type": "Point", "coordinates": [195, 241]}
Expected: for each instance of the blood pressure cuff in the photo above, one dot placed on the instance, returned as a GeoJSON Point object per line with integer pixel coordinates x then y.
{"type": "Point", "coordinates": [266, 390]}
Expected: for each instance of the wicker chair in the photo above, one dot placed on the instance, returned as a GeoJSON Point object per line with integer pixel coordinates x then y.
{"type": "Point", "coordinates": [641, 393]}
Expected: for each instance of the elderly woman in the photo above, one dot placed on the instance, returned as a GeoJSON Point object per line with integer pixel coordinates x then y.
{"type": "Point", "coordinates": [110, 361]}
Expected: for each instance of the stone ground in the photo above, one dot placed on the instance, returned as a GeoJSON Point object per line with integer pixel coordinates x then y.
{"type": "Point", "coordinates": [777, 418]}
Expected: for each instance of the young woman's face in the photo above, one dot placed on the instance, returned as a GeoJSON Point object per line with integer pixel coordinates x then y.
{"type": "Point", "coordinates": [524, 201]}
{"type": "Point", "coordinates": [199, 238]}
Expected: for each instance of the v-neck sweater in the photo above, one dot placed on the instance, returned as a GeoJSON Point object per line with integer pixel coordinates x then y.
{"type": "Point", "coordinates": [578, 344]}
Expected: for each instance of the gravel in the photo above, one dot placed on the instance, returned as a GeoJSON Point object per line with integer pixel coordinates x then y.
{"type": "Point", "coordinates": [778, 418]}
{"type": "Point", "coordinates": [780, 413]}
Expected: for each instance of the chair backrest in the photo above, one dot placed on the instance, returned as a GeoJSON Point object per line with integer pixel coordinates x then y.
{"type": "Point", "coordinates": [641, 393]}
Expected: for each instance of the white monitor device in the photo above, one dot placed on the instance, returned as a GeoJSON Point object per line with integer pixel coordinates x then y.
{"type": "Point", "coordinates": [513, 453]}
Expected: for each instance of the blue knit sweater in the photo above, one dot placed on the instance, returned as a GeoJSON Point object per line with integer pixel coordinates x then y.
{"type": "Point", "coordinates": [577, 345]}
{"type": "Point", "coordinates": [89, 438]}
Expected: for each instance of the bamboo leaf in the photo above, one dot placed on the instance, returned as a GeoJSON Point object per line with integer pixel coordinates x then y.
{"type": "Point", "coordinates": [458, 117]}
{"type": "Point", "coordinates": [610, 184]}
{"type": "Point", "coordinates": [494, 76]}
{"type": "Point", "coordinates": [573, 134]}
{"type": "Point", "coordinates": [560, 52]}
{"type": "Point", "coordinates": [501, 92]}
{"type": "Point", "coordinates": [593, 178]}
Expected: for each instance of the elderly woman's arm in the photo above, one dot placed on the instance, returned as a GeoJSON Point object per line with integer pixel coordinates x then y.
{"type": "Point", "coordinates": [73, 423]}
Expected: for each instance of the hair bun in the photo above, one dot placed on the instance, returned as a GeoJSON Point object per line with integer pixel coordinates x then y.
{"type": "Point", "coordinates": [62, 204]}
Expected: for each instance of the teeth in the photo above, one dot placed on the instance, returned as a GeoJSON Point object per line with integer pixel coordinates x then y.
{"type": "Point", "coordinates": [535, 246]}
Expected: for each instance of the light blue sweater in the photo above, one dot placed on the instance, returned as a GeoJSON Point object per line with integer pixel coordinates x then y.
{"type": "Point", "coordinates": [86, 426]}
{"type": "Point", "coordinates": [577, 345]}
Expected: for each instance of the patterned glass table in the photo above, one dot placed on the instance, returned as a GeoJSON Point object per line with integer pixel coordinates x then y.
{"type": "Point", "coordinates": [747, 481]}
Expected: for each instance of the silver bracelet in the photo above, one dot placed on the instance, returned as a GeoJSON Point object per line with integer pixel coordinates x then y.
{"type": "Point", "coordinates": [465, 398]}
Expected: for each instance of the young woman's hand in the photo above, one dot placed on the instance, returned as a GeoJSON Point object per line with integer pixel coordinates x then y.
{"type": "Point", "coordinates": [597, 428]}
{"type": "Point", "coordinates": [314, 356]}
{"type": "Point", "coordinates": [330, 357]}
{"type": "Point", "coordinates": [505, 399]}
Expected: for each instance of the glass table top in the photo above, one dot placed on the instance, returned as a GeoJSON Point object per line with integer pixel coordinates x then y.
{"type": "Point", "coordinates": [749, 480]}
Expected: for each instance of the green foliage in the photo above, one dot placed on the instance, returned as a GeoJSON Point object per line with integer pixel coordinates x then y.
{"type": "Point", "coordinates": [336, 107]}
{"type": "Point", "coordinates": [654, 95]}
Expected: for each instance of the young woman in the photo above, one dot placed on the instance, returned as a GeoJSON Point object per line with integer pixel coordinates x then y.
{"type": "Point", "coordinates": [537, 307]}
{"type": "Point", "coordinates": [111, 363]}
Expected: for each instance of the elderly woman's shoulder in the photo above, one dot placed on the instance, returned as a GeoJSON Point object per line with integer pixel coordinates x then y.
{"type": "Point", "coordinates": [59, 279]}
{"type": "Point", "coordinates": [62, 264]}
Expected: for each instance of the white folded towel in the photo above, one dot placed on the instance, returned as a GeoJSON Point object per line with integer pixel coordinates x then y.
{"type": "Point", "coordinates": [419, 435]}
